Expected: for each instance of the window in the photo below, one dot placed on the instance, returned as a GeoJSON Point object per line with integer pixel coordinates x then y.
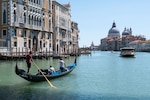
{"type": "Point", "coordinates": [25, 44]}
{"type": "Point", "coordinates": [43, 44]}
{"type": "Point", "coordinates": [24, 33]}
{"type": "Point", "coordinates": [49, 36]}
{"type": "Point", "coordinates": [25, 8]}
{"type": "Point", "coordinates": [37, 21]}
{"type": "Point", "coordinates": [29, 20]}
{"type": "Point", "coordinates": [4, 17]}
{"type": "Point", "coordinates": [24, 18]}
{"type": "Point", "coordinates": [15, 44]}
{"type": "Point", "coordinates": [4, 34]}
{"type": "Point", "coordinates": [50, 24]}
{"type": "Point", "coordinates": [42, 36]}
{"type": "Point", "coordinates": [15, 32]}
{"type": "Point", "coordinates": [43, 22]}
{"type": "Point", "coordinates": [14, 5]}
{"type": "Point", "coordinates": [14, 16]}
{"type": "Point", "coordinates": [39, 2]}
{"type": "Point", "coordinates": [40, 22]}
{"type": "Point", "coordinates": [40, 44]}
{"type": "Point", "coordinates": [32, 20]}
{"type": "Point", "coordinates": [50, 45]}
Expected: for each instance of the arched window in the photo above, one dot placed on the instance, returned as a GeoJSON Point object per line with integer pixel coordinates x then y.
{"type": "Point", "coordinates": [49, 24]}
{"type": "Point", "coordinates": [24, 17]}
{"type": "Point", "coordinates": [15, 32]}
{"type": "Point", "coordinates": [37, 21]}
{"type": "Point", "coordinates": [29, 20]}
{"type": "Point", "coordinates": [40, 22]}
{"type": "Point", "coordinates": [37, 2]}
{"type": "Point", "coordinates": [4, 17]}
{"type": "Point", "coordinates": [43, 22]}
{"type": "Point", "coordinates": [15, 16]}
{"type": "Point", "coordinates": [32, 20]}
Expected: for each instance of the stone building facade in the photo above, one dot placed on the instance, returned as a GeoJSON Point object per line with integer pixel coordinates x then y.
{"type": "Point", "coordinates": [65, 39]}
{"type": "Point", "coordinates": [62, 27]}
{"type": "Point", "coordinates": [36, 25]}
{"type": "Point", "coordinates": [26, 24]}
{"type": "Point", "coordinates": [74, 44]}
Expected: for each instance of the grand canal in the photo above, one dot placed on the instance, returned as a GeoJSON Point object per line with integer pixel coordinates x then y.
{"type": "Point", "coordinates": [100, 76]}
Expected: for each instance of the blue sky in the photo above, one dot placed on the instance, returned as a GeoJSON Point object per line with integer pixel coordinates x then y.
{"type": "Point", "coordinates": [95, 18]}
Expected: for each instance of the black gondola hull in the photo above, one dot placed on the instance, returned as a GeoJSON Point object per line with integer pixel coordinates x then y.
{"type": "Point", "coordinates": [39, 78]}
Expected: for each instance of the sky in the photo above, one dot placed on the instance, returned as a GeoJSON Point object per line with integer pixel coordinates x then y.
{"type": "Point", "coordinates": [95, 18]}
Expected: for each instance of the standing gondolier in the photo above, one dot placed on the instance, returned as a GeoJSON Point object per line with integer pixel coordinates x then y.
{"type": "Point", "coordinates": [29, 60]}
{"type": "Point", "coordinates": [62, 65]}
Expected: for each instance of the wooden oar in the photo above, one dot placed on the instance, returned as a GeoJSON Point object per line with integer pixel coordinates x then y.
{"type": "Point", "coordinates": [51, 85]}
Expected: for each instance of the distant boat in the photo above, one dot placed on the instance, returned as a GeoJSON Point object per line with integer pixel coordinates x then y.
{"type": "Point", "coordinates": [86, 52]}
{"type": "Point", "coordinates": [127, 52]}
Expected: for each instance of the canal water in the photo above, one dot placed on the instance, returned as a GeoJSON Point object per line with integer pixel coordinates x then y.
{"type": "Point", "coordinates": [103, 75]}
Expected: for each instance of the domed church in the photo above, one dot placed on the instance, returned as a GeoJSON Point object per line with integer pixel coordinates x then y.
{"type": "Point", "coordinates": [114, 32]}
{"type": "Point", "coordinates": [127, 31]}
{"type": "Point", "coordinates": [114, 41]}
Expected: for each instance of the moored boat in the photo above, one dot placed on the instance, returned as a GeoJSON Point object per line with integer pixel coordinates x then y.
{"type": "Point", "coordinates": [127, 52]}
{"type": "Point", "coordinates": [39, 77]}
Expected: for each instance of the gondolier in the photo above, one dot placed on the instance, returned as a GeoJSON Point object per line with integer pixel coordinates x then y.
{"type": "Point", "coordinates": [29, 60]}
{"type": "Point", "coordinates": [62, 65]}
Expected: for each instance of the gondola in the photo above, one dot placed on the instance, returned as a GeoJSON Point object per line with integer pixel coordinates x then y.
{"type": "Point", "coordinates": [39, 77]}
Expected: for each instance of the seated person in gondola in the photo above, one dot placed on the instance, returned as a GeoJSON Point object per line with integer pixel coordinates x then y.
{"type": "Point", "coordinates": [43, 71]}
{"type": "Point", "coordinates": [51, 70]}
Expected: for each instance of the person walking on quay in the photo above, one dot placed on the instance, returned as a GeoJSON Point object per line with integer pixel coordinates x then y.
{"type": "Point", "coordinates": [62, 65]}
{"type": "Point", "coordinates": [29, 60]}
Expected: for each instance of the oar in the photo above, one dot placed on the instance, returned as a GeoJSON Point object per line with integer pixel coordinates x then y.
{"type": "Point", "coordinates": [51, 85]}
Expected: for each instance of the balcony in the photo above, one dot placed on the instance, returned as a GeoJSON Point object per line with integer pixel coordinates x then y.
{"type": "Point", "coordinates": [21, 25]}
{"type": "Point", "coordinates": [15, 37]}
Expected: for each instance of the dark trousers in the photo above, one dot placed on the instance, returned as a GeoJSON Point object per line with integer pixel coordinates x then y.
{"type": "Point", "coordinates": [63, 69]}
{"type": "Point", "coordinates": [29, 66]}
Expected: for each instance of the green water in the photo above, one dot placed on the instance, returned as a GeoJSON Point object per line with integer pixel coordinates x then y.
{"type": "Point", "coordinates": [101, 76]}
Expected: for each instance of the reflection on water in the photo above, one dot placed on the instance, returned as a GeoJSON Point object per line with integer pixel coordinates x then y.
{"type": "Point", "coordinates": [101, 76]}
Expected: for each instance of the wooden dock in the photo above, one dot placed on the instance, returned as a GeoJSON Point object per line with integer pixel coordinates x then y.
{"type": "Point", "coordinates": [18, 53]}
{"type": "Point", "coordinates": [38, 55]}
{"type": "Point", "coordinates": [22, 55]}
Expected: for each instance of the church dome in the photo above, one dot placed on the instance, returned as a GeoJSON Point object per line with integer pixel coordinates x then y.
{"type": "Point", "coordinates": [127, 32]}
{"type": "Point", "coordinates": [114, 32]}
